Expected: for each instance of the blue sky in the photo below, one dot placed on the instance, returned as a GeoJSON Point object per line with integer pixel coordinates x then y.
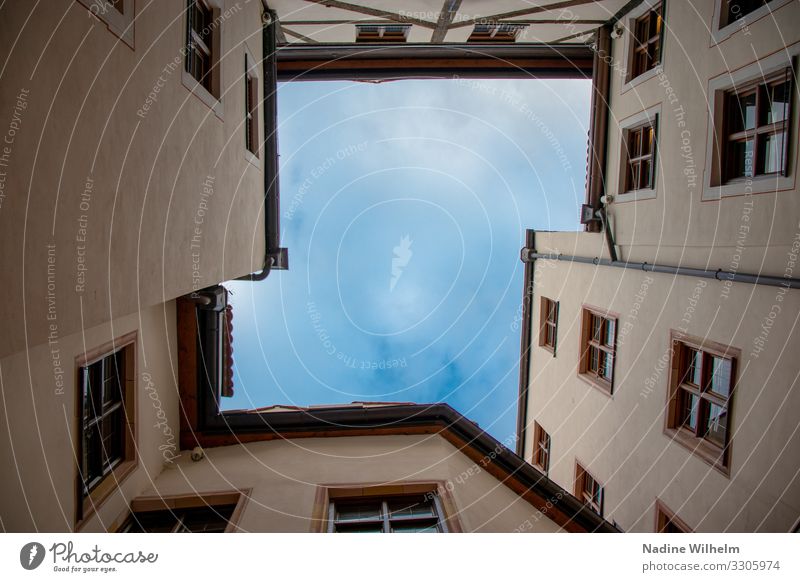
{"type": "Point", "coordinates": [404, 206]}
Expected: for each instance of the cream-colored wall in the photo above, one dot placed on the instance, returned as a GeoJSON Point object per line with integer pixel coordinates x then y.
{"type": "Point", "coordinates": [85, 114]}
{"type": "Point", "coordinates": [620, 439]}
{"type": "Point", "coordinates": [284, 476]}
{"type": "Point", "coordinates": [676, 226]}
{"type": "Point", "coordinates": [38, 423]}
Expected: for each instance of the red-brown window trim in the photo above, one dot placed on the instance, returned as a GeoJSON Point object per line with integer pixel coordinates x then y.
{"type": "Point", "coordinates": [716, 456]}
{"type": "Point", "coordinates": [652, 43]}
{"type": "Point", "coordinates": [541, 448]}
{"type": "Point", "coordinates": [586, 342]}
{"type": "Point", "coordinates": [729, 102]}
{"type": "Point", "coordinates": [87, 505]}
{"type": "Point", "coordinates": [664, 516]}
{"type": "Point", "coordinates": [548, 320]}
{"type": "Point", "coordinates": [581, 475]}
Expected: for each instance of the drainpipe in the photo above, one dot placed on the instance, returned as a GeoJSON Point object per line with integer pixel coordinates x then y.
{"type": "Point", "coordinates": [275, 257]}
{"type": "Point", "coordinates": [525, 344]}
{"type": "Point", "coordinates": [529, 255]}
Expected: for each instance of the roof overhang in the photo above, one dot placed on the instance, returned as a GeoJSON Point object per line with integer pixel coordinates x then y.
{"type": "Point", "coordinates": [402, 61]}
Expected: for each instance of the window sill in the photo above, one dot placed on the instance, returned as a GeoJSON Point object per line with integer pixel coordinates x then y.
{"type": "Point", "coordinates": [252, 158]}
{"type": "Point", "coordinates": [635, 195]}
{"type": "Point", "coordinates": [112, 483]}
{"type": "Point", "coordinates": [202, 93]}
{"type": "Point", "coordinates": [771, 184]}
{"type": "Point", "coordinates": [548, 348]}
{"type": "Point", "coordinates": [639, 79]}
{"type": "Point", "coordinates": [701, 448]}
{"type": "Point", "coordinates": [605, 388]}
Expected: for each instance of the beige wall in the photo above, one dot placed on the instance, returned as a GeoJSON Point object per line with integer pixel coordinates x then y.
{"type": "Point", "coordinates": [38, 422]}
{"type": "Point", "coordinates": [620, 438]}
{"type": "Point", "coordinates": [78, 121]}
{"type": "Point", "coordinates": [676, 225]}
{"type": "Point", "coordinates": [284, 476]}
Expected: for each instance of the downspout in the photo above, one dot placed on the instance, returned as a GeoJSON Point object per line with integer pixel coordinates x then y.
{"type": "Point", "coordinates": [525, 344]}
{"type": "Point", "coordinates": [275, 256]}
{"type": "Point", "coordinates": [529, 255]}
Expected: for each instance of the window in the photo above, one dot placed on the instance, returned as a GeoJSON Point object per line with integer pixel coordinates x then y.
{"type": "Point", "coordinates": [382, 32]}
{"type": "Point", "coordinates": [541, 448]}
{"type": "Point", "coordinates": [733, 10]}
{"type": "Point", "coordinates": [647, 34]}
{"type": "Point", "coordinates": [588, 489]}
{"type": "Point", "coordinates": [201, 513]}
{"type": "Point", "coordinates": [639, 154]}
{"type": "Point", "coordinates": [394, 514]}
{"type": "Point", "coordinates": [668, 522]}
{"type": "Point", "coordinates": [250, 105]}
{"type": "Point", "coordinates": [701, 390]}
{"type": "Point", "coordinates": [116, 14]}
{"type": "Point", "coordinates": [548, 326]}
{"type": "Point", "coordinates": [598, 348]}
{"type": "Point", "coordinates": [756, 127]}
{"type": "Point", "coordinates": [106, 410]}
{"type": "Point", "coordinates": [495, 32]}
{"type": "Point", "coordinates": [199, 42]}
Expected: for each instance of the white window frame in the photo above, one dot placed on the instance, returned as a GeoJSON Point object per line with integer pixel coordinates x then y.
{"type": "Point", "coordinates": [719, 34]}
{"type": "Point", "coordinates": [627, 39]}
{"type": "Point", "coordinates": [717, 87]}
{"type": "Point", "coordinates": [121, 24]}
{"type": "Point", "coordinates": [651, 115]}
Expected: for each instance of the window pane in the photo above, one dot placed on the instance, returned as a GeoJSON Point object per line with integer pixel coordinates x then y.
{"type": "Point", "coordinates": [694, 367]}
{"type": "Point", "coordinates": [112, 427]}
{"type": "Point", "coordinates": [113, 369]}
{"type": "Point", "coordinates": [776, 107]}
{"type": "Point", "coordinates": [743, 112]}
{"type": "Point", "coordinates": [689, 404]}
{"type": "Point", "coordinates": [360, 511]}
{"type": "Point", "coordinates": [609, 335]}
{"type": "Point", "coordinates": [597, 326]}
{"type": "Point", "coordinates": [721, 370]}
{"type": "Point", "coordinates": [594, 359]}
{"type": "Point", "coordinates": [412, 528]}
{"type": "Point", "coordinates": [647, 140]}
{"type": "Point", "coordinates": [770, 153]}
{"type": "Point", "coordinates": [634, 143]}
{"type": "Point", "coordinates": [413, 508]}
{"type": "Point", "coordinates": [741, 159]}
{"type": "Point", "coordinates": [644, 175]}
{"type": "Point", "coordinates": [717, 424]}
{"type": "Point", "coordinates": [608, 365]}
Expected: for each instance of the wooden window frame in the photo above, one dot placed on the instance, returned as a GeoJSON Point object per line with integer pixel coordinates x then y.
{"type": "Point", "coordinates": [87, 503]}
{"type": "Point", "coordinates": [541, 448]}
{"type": "Point", "coordinates": [321, 521]}
{"type": "Point", "coordinates": [641, 158]}
{"type": "Point", "coordinates": [210, 90]}
{"type": "Point", "coordinates": [582, 475]}
{"type": "Point", "coordinates": [587, 343]}
{"type": "Point", "coordinates": [717, 456]}
{"type": "Point", "coordinates": [547, 308]}
{"type": "Point", "coordinates": [665, 516]}
{"type": "Point", "coordinates": [237, 497]}
{"type": "Point", "coordinates": [757, 87]}
{"type": "Point", "coordinates": [646, 46]}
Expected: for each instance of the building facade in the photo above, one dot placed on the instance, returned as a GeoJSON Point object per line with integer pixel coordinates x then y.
{"type": "Point", "coordinates": [660, 379]}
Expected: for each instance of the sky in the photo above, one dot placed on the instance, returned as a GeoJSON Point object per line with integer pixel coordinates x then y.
{"type": "Point", "coordinates": [404, 206]}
